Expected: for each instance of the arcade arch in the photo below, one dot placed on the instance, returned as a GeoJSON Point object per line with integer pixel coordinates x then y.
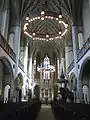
{"type": "Point", "coordinates": [73, 84]}
{"type": "Point", "coordinates": [84, 76]}
{"type": "Point", "coordinates": [18, 87]}
{"type": "Point", "coordinates": [6, 80]}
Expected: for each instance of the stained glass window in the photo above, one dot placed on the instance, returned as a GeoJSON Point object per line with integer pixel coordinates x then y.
{"type": "Point", "coordinates": [46, 64]}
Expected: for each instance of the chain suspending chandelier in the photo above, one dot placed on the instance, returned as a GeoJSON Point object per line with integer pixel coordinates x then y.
{"type": "Point", "coordinates": [43, 17]}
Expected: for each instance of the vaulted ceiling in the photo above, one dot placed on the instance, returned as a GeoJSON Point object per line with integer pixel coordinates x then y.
{"type": "Point", "coordinates": [71, 11]}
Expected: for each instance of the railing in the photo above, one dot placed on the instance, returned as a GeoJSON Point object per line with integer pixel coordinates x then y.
{"type": "Point", "coordinates": [80, 53]}
{"type": "Point", "coordinates": [7, 48]}
{"type": "Point", "coordinates": [71, 66]}
{"type": "Point", "coordinates": [84, 49]}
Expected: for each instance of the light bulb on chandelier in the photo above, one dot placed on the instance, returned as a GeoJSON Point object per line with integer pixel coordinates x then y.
{"type": "Point", "coordinates": [47, 36]}
{"type": "Point", "coordinates": [42, 18]}
{"type": "Point", "coordinates": [42, 13]}
{"type": "Point", "coordinates": [33, 34]}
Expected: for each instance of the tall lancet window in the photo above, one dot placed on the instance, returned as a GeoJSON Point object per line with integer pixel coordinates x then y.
{"type": "Point", "coordinates": [46, 65]}
{"type": "Point", "coordinates": [35, 65]}
{"type": "Point", "coordinates": [58, 67]}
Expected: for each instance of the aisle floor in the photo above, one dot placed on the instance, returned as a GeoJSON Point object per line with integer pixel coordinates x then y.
{"type": "Point", "coordinates": [45, 113]}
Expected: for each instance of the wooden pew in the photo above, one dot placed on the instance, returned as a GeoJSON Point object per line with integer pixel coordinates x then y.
{"type": "Point", "coordinates": [69, 111]}
{"type": "Point", "coordinates": [17, 111]}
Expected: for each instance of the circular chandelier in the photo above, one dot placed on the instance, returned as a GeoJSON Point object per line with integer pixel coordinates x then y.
{"type": "Point", "coordinates": [47, 36]}
{"type": "Point", "coordinates": [49, 68]}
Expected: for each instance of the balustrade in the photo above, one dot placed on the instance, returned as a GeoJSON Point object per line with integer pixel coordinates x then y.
{"type": "Point", "coordinates": [80, 53]}
{"type": "Point", "coordinates": [4, 44]}
{"type": "Point", "coordinates": [84, 49]}
{"type": "Point", "coordinates": [71, 66]}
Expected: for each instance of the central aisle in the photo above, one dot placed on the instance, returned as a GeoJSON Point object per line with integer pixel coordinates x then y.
{"type": "Point", "coordinates": [45, 113]}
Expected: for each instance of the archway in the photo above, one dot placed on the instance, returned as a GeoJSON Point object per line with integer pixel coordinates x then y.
{"type": "Point", "coordinates": [85, 94]}
{"type": "Point", "coordinates": [55, 92]}
{"type": "Point", "coordinates": [6, 93]}
{"type": "Point", "coordinates": [18, 86]}
{"type": "Point", "coordinates": [84, 76]}
{"type": "Point", "coordinates": [6, 80]}
{"type": "Point", "coordinates": [37, 92]}
{"type": "Point", "coordinates": [73, 84]}
{"type": "Point", "coordinates": [29, 94]}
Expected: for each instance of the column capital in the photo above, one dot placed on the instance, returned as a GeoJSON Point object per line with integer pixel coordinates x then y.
{"type": "Point", "coordinates": [79, 28]}
{"type": "Point", "coordinates": [13, 28]}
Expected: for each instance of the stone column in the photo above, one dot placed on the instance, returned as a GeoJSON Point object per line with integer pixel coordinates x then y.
{"type": "Point", "coordinates": [52, 73]}
{"type": "Point", "coordinates": [22, 55]}
{"type": "Point", "coordinates": [89, 2]}
{"type": "Point", "coordinates": [80, 37]}
{"type": "Point", "coordinates": [74, 39]}
{"type": "Point", "coordinates": [11, 38]}
{"type": "Point", "coordinates": [56, 72]}
{"type": "Point", "coordinates": [36, 71]}
{"type": "Point", "coordinates": [70, 54]}
{"type": "Point", "coordinates": [80, 40]}
{"type": "Point", "coordinates": [7, 24]}
{"type": "Point", "coordinates": [30, 72]}
{"type": "Point", "coordinates": [26, 57]}
{"type": "Point", "coordinates": [33, 72]}
{"type": "Point", "coordinates": [62, 64]}
{"type": "Point", "coordinates": [60, 67]}
{"type": "Point", "coordinates": [33, 80]}
{"type": "Point", "coordinates": [30, 69]}
{"type": "Point", "coordinates": [67, 58]}
{"type": "Point", "coordinates": [89, 87]}
{"type": "Point", "coordinates": [52, 78]}
{"type": "Point", "coordinates": [41, 73]}
{"type": "Point", "coordinates": [1, 79]}
{"type": "Point", "coordinates": [58, 63]}
{"type": "Point", "coordinates": [16, 46]}
{"type": "Point", "coordinates": [3, 21]}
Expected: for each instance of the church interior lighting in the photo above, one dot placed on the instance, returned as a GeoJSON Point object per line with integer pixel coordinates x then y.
{"type": "Point", "coordinates": [45, 37]}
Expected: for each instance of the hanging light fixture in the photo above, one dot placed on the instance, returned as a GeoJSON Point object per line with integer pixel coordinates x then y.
{"type": "Point", "coordinates": [46, 16]}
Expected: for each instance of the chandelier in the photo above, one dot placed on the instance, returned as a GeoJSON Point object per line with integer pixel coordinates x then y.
{"type": "Point", "coordinates": [46, 37]}
{"type": "Point", "coordinates": [49, 68]}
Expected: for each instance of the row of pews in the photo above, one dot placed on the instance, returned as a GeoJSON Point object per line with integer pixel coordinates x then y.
{"type": "Point", "coordinates": [17, 111]}
{"type": "Point", "coordinates": [71, 111]}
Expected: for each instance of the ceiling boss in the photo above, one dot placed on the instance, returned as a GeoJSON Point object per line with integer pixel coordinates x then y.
{"type": "Point", "coordinates": [46, 17]}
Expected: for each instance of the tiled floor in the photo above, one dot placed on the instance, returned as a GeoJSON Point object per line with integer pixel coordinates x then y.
{"type": "Point", "coordinates": [45, 113]}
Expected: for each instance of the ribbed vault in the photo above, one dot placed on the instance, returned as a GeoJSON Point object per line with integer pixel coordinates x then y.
{"type": "Point", "coordinates": [71, 11]}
